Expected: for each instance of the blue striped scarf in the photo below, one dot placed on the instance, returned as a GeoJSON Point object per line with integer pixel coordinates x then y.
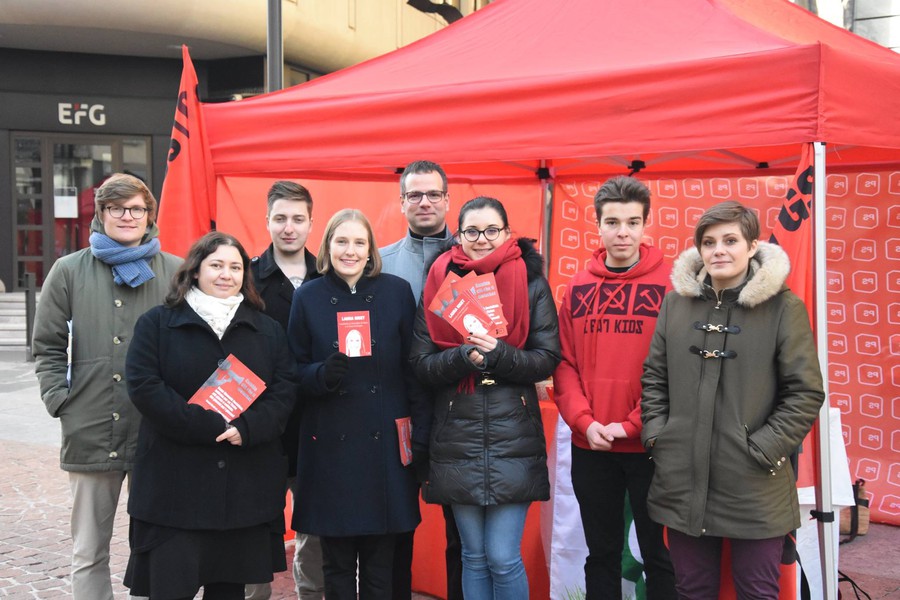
{"type": "Point", "coordinates": [130, 264]}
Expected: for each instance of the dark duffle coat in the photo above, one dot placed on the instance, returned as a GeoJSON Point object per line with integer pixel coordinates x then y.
{"type": "Point", "coordinates": [182, 477]}
{"type": "Point", "coordinates": [350, 480]}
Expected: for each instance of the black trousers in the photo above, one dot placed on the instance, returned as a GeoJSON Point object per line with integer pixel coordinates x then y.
{"type": "Point", "coordinates": [600, 480]}
{"type": "Point", "coordinates": [375, 556]}
{"type": "Point", "coordinates": [453, 556]}
{"type": "Point", "coordinates": [403, 557]}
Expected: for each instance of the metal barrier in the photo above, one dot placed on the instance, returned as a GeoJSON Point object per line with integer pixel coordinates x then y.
{"type": "Point", "coordinates": [28, 282]}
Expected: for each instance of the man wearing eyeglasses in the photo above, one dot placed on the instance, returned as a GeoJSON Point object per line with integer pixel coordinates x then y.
{"type": "Point", "coordinates": [89, 303]}
{"type": "Point", "coordinates": [424, 201]}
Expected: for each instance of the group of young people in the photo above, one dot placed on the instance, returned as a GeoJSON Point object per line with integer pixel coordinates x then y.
{"type": "Point", "coordinates": [688, 389]}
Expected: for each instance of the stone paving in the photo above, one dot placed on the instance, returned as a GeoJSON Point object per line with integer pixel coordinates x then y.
{"type": "Point", "coordinates": [35, 545]}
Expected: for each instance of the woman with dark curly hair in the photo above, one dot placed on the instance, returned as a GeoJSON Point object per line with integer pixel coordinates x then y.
{"type": "Point", "coordinates": [207, 493]}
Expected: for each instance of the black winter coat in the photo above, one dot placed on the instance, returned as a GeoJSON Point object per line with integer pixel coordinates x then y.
{"type": "Point", "coordinates": [277, 292]}
{"type": "Point", "coordinates": [182, 477]}
{"type": "Point", "coordinates": [350, 480]}
{"type": "Point", "coordinates": [488, 447]}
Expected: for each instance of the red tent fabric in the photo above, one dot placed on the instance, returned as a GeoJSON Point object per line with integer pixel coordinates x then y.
{"type": "Point", "coordinates": [576, 89]}
{"type": "Point", "coordinates": [688, 86]}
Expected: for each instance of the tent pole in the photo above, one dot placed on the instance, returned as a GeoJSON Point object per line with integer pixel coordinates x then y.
{"type": "Point", "coordinates": [546, 230]}
{"type": "Point", "coordinates": [823, 489]}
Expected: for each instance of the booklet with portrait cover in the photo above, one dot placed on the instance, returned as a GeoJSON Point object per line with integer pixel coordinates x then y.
{"type": "Point", "coordinates": [470, 304]}
{"type": "Point", "coordinates": [484, 288]}
{"type": "Point", "coordinates": [230, 390]}
{"type": "Point", "coordinates": [354, 333]}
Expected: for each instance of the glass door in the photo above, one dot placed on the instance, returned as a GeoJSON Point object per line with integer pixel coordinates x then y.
{"type": "Point", "coordinates": [78, 169]}
{"type": "Point", "coordinates": [53, 192]}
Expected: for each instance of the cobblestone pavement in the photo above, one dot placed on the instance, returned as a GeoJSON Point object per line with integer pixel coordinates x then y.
{"type": "Point", "coordinates": [35, 545]}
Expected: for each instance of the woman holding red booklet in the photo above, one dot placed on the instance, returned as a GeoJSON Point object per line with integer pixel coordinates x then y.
{"type": "Point", "coordinates": [350, 331]}
{"type": "Point", "coordinates": [487, 448]}
{"type": "Point", "coordinates": [207, 493]}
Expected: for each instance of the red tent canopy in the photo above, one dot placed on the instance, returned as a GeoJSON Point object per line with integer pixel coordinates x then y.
{"type": "Point", "coordinates": [581, 88]}
{"type": "Point", "coordinates": [585, 86]}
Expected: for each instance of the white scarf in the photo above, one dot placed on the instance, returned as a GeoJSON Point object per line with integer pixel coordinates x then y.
{"type": "Point", "coordinates": [217, 312]}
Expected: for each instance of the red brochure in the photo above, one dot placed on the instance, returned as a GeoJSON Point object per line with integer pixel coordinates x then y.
{"type": "Point", "coordinates": [404, 437]}
{"type": "Point", "coordinates": [230, 390]}
{"type": "Point", "coordinates": [484, 289]}
{"type": "Point", "coordinates": [354, 333]}
{"type": "Point", "coordinates": [444, 296]}
{"type": "Point", "coordinates": [466, 315]}
{"type": "Point", "coordinates": [470, 304]}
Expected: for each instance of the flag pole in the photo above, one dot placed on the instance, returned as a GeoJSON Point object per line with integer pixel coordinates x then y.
{"type": "Point", "coordinates": [274, 48]}
{"type": "Point", "coordinates": [824, 504]}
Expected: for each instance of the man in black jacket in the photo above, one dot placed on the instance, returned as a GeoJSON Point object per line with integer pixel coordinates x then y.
{"type": "Point", "coordinates": [281, 269]}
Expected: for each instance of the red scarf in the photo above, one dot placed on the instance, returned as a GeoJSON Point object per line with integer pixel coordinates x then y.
{"type": "Point", "coordinates": [512, 284]}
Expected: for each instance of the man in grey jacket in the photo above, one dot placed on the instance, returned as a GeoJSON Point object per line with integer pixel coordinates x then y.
{"type": "Point", "coordinates": [424, 201]}
{"type": "Point", "coordinates": [89, 303]}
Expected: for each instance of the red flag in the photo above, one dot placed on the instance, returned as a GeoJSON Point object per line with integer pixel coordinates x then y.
{"type": "Point", "coordinates": [793, 233]}
{"type": "Point", "coordinates": [188, 201]}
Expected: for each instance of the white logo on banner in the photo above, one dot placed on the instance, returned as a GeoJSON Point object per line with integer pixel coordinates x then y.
{"type": "Point", "coordinates": [867, 184]}
{"type": "Point", "coordinates": [868, 344]}
{"type": "Point", "coordinates": [870, 437]}
{"type": "Point", "coordinates": [871, 406]}
{"type": "Point", "coordinates": [865, 217]}
{"type": "Point", "coordinates": [865, 282]}
{"type": "Point", "coordinates": [837, 185]}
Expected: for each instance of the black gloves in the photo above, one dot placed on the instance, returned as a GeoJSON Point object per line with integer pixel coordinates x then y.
{"type": "Point", "coordinates": [420, 462]}
{"type": "Point", "coordinates": [334, 369]}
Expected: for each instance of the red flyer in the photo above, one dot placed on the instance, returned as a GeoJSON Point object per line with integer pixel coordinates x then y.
{"type": "Point", "coordinates": [484, 288]}
{"type": "Point", "coordinates": [404, 437]}
{"type": "Point", "coordinates": [466, 315]}
{"type": "Point", "coordinates": [230, 390]}
{"type": "Point", "coordinates": [354, 333]}
{"type": "Point", "coordinates": [444, 296]}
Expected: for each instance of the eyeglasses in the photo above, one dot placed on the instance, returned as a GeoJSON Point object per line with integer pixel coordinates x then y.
{"type": "Point", "coordinates": [136, 212]}
{"type": "Point", "coordinates": [434, 196]}
{"type": "Point", "coordinates": [471, 234]}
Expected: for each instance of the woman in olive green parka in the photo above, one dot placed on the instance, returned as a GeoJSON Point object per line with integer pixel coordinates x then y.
{"type": "Point", "coordinates": [731, 387]}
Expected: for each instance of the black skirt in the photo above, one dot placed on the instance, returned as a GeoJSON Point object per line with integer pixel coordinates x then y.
{"type": "Point", "coordinates": [168, 563]}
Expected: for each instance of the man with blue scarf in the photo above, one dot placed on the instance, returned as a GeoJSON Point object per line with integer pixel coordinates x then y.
{"type": "Point", "coordinates": [88, 306]}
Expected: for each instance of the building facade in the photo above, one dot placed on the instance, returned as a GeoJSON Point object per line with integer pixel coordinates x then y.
{"type": "Point", "coordinates": [88, 89]}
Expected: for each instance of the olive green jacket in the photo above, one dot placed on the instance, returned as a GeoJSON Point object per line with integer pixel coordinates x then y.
{"type": "Point", "coordinates": [99, 423]}
{"type": "Point", "coordinates": [731, 386]}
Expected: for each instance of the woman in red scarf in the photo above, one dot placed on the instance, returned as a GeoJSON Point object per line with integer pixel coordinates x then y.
{"type": "Point", "coordinates": [488, 457]}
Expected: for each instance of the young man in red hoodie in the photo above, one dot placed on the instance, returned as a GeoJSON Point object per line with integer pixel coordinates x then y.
{"type": "Point", "coordinates": [606, 320]}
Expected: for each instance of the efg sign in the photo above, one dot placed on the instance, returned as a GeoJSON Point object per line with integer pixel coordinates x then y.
{"type": "Point", "coordinates": [72, 113]}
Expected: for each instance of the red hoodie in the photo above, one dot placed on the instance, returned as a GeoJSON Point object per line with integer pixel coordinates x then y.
{"type": "Point", "coordinates": [606, 321]}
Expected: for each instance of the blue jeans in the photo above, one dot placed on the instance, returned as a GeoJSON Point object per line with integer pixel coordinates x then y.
{"type": "Point", "coordinates": [492, 551]}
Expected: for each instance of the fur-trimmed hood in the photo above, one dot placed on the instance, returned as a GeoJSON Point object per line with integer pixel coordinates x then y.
{"type": "Point", "coordinates": [769, 269]}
